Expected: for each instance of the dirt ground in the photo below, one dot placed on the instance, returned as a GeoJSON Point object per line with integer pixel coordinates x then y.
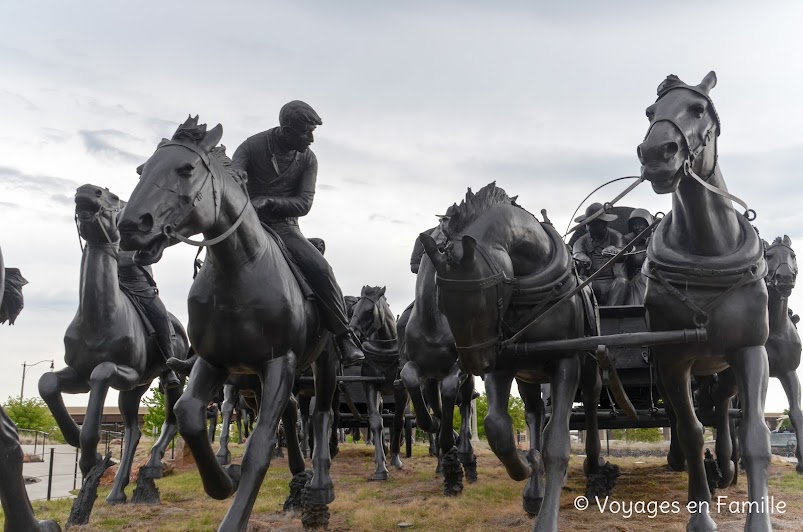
{"type": "Point", "coordinates": [412, 499]}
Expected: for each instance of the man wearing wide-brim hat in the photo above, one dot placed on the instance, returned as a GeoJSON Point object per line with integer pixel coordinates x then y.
{"type": "Point", "coordinates": [438, 233]}
{"type": "Point", "coordinates": [594, 249]}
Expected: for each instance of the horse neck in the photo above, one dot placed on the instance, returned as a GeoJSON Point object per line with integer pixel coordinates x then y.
{"type": "Point", "coordinates": [99, 290]}
{"type": "Point", "coordinates": [387, 328]}
{"type": "Point", "coordinates": [778, 307]}
{"type": "Point", "coordinates": [706, 222]}
{"type": "Point", "coordinates": [246, 242]}
{"type": "Point", "coordinates": [515, 237]}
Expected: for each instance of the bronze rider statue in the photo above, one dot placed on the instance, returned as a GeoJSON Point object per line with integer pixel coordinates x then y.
{"type": "Point", "coordinates": [281, 171]}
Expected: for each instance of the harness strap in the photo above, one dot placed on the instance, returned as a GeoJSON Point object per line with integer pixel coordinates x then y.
{"type": "Point", "coordinates": [749, 213]}
{"type": "Point", "coordinates": [606, 206]}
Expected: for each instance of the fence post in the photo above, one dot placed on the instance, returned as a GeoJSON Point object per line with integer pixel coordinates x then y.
{"type": "Point", "coordinates": [50, 473]}
{"type": "Point", "coordinates": [122, 439]}
{"type": "Point", "coordinates": [35, 438]}
{"type": "Point", "coordinates": [75, 472]}
{"type": "Point", "coordinates": [173, 449]}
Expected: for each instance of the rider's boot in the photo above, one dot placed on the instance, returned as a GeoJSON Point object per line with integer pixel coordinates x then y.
{"type": "Point", "coordinates": [168, 376]}
{"type": "Point", "coordinates": [350, 353]}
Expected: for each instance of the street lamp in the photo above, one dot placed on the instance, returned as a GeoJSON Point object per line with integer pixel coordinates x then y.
{"type": "Point", "coordinates": [25, 365]}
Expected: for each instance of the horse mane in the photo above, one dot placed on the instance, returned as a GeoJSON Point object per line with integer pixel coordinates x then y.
{"type": "Point", "coordinates": [12, 296]}
{"type": "Point", "coordinates": [193, 132]}
{"type": "Point", "coordinates": [372, 291]}
{"type": "Point", "coordinates": [475, 205]}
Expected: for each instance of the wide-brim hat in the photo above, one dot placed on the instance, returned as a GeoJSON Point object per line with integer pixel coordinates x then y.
{"type": "Point", "coordinates": [449, 213]}
{"type": "Point", "coordinates": [644, 214]}
{"type": "Point", "coordinates": [593, 208]}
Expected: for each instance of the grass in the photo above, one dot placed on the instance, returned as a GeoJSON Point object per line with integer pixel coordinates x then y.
{"type": "Point", "coordinates": [414, 496]}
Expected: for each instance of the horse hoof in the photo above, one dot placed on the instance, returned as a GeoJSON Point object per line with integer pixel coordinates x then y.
{"type": "Point", "coordinates": [532, 505]}
{"type": "Point", "coordinates": [676, 463]}
{"type": "Point", "coordinates": [49, 526]}
{"type": "Point", "coordinates": [234, 473]}
{"type": "Point", "coordinates": [702, 522]}
{"type": "Point", "coordinates": [396, 462]}
{"type": "Point", "coordinates": [381, 475]}
{"type": "Point", "coordinates": [321, 496]}
{"type": "Point", "coordinates": [116, 497]}
{"type": "Point", "coordinates": [728, 473]}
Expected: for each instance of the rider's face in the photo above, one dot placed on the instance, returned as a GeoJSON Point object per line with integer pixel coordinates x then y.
{"type": "Point", "coordinates": [299, 137]}
{"type": "Point", "coordinates": [597, 228]}
{"type": "Point", "coordinates": [638, 225]}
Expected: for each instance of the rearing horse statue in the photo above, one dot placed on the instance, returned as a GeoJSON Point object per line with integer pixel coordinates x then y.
{"type": "Point", "coordinates": [247, 312]}
{"type": "Point", "coordinates": [705, 268]}
{"type": "Point", "coordinates": [107, 345]}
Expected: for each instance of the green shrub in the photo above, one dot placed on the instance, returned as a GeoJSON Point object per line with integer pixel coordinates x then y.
{"type": "Point", "coordinates": [31, 414]}
{"type": "Point", "coordinates": [636, 435]}
{"type": "Point", "coordinates": [155, 418]}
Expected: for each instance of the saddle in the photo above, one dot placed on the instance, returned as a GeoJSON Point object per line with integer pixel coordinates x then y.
{"type": "Point", "coordinates": [143, 314]}
{"type": "Point", "coordinates": [303, 284]}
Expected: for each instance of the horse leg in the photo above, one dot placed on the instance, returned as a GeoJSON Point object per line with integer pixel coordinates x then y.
{"type": "Point", "coordinates": [533, 495]}
{"type": "Point", "coordinates": [591, 385]}
{"type": "Point", "coordinates": [190, 410]}
{"type": "Point", "coordinates": [104, 375]}
{"type": "Point", "coordinates": [411, 377]}
{"type": "Point", "coordinates": [321, 489]}
{"type": "Point", "coordinates": [752, 372]}
{"type": "Point", "coordinates": [465, 451]}
{"type": "Point", "coordinates": [295, 458]}
{"type": "Point", "coordinates": [555, 460]}
{"type": "Point", "coordinates": [239, 421]}
{"type": "Point", "coordinates": [400, 399]}
{"type": "Point", "coordinates": [277, 386]}
{"type": "Point", "coordinates": [51, 386]}
{"type": "Point", "coordinates": [432, 391]}
{"type": "Point", "coordinates": [377, 428]}
{"type": "Point", "coordinates": [334, 440]}
{"type": "Point", "coordinates": [791, 385]}
{"type": "Point", "coordinates": [726, 389]}
{"type": "Point", "coordinates": [230, 396]}
{"type": "Point", "coordinates": [452, 470]}
{"type": "Point", "coordinates": [676, 378]}
{"type": "Point", "coordinates": [304, 406]}
{"type": "Point", "coordinates": [169, 430]}
{"type": "Point", "coordinates": [128, 402]}
{"type": "Point", "coordinates": [674, 458]}
{"type": "Point", "coordinates": [499, 426]}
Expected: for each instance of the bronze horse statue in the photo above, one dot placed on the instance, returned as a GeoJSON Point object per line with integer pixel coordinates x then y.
{"type": "Point", "coordinates": [783, 345]}
{"type": "Point", "coordinates": [375, 326]}
{"type": "Point", "coordinates": [247, 311]}
{"type": "Point", "coordinates": [16, 505]}
{"type": "Point", "coordinates": [499, 264]}
{"type": "Point", "coordinates": [108, 345]}
{"type": "Point", "coordinates": [705, 268]}
{"type": "Point", "coordinates": [433, 379]}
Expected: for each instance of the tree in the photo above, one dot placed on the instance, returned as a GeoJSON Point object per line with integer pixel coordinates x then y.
{"type": "Point", "coordinates": [787, 423]}
{"type": "Point", "coordinates": [515, 410]}
{"type": "Point", "coordinates": [155, 418]}
{"type": "Point", "coordinates": [31, 414]}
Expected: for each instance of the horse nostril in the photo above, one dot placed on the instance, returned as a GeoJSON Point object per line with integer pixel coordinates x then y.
{"type": "Point", "coordinates": [640, 154]}
{"type": "Point", "coordinates": [145, 223]}
{"type": "Point", "coordinates": [670, 149]}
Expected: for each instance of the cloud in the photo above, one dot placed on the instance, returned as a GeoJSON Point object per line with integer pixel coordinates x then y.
{"type": "Point", "coordinates": [19, 100]}
{"type": "Point", "coordinates": [54, 135]}
{"type": "Point", "coordinates": [102, 144]}
{"type": "Point", "coordinates": [376, 217]}
{"type": "Point", "coordinates": [16, 179]}
{"type": "Point", "coordinates": [9, 205]}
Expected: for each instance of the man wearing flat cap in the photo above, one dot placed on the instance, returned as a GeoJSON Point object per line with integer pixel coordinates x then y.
{"type": "Point", "coordinates": [592, 250]}
{"type": "Point", "coordinates": [282, 171]}
{"type": "Point", "coordinates": [438, 233]}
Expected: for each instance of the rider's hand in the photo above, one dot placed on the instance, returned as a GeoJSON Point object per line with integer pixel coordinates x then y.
{"type": "Point", "coordinates": [260, 202]}
{"type": "Point", "coordinates": [610, 251]}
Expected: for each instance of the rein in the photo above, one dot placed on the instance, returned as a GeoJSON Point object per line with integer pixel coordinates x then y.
{"type": "Point", "coordinates": [169, 230]}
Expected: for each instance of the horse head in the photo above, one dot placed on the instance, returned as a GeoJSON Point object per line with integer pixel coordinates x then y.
{"type": "Point", "coordinates": [473, 296]}
{"type": "Point", "coordinates": [682, 134]}
{"type": "Point", "coordinates": [176, 192]}
{"type": "Point", "coordinates": [368, 313]}
{"type": "Point", "coordinates": [96, 212]}
{"type": "Point", "coordinates": [781, 265]}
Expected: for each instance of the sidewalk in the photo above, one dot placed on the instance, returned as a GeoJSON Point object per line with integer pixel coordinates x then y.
{"type": "Point", "coordinates": [63, 472]}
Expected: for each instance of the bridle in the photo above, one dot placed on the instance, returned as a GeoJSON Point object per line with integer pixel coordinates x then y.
{"type": "Point", "coordinates": [770, 278]}
{"type": "Point", "coordinates": [212, 173]}
{"type": "Point", "coordinates": [498, 281]}
{"type": "Point", "coordinates": [708, 135]}
{"type": "Point", "coordinates": [376, 322]}
{"type": "Point", "coordinates": [83, 217]}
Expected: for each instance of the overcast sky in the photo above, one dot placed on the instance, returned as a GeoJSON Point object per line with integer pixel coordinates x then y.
{"type": "Point", "coordinates": [419, 101]}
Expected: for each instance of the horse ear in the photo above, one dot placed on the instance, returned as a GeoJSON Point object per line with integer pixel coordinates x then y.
{"type": "Point", "coordinates": [212, 138]}
{"type": "Point", "coordinates": [381, 292]}
{"type": "Point", "coordinates": [139, 169]}
{"type": "Point", "coordinates": [787, 240]}
{"type": "Point", "coordinates": [433, 252]}
{"type": "Point", "coordinates": [363, 290]}
{"type": "Point", "coordinates": [709, 82]}
{"type": "Point", "coordinates": [469, 247]}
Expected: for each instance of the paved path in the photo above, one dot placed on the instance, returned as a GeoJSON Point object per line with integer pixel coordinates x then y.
{"type": "Point", "coordinates": [63, 472]}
